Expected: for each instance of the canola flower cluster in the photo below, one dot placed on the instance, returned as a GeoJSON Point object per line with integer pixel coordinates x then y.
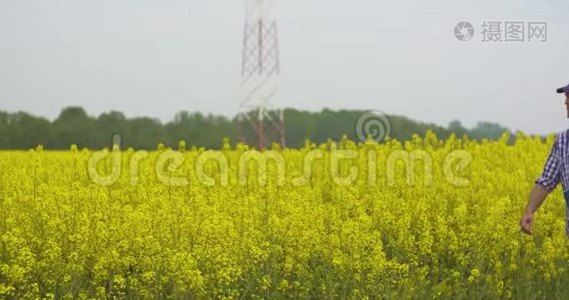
{"type": "Point", "coordinates": [65, 236]}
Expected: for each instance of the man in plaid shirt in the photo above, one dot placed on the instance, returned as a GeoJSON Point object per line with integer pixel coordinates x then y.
{"type": "Point", "coordinates": [556, 170]}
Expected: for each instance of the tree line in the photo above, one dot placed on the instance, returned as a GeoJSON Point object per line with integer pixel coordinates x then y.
{"type": "Point", "coordinates": [22, 130]}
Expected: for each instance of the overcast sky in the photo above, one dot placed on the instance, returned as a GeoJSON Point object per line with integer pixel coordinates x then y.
{"type": "Point", "coordinates": [155, 58]}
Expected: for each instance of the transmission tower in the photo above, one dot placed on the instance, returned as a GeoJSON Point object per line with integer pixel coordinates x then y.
{"type": "Point", "coordinates": [260, 122]}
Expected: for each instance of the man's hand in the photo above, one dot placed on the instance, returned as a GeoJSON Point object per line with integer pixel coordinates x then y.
{"type": "Point", "coordinates": [536, 198]}
{"type": "Point", "coordinates": [526, 223]}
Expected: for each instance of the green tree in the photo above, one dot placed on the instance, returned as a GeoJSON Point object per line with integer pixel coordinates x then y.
{"type": "Point", "coordinates": [74, 126]}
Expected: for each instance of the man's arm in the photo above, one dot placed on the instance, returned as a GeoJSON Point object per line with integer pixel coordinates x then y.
{"type": "Point", "coordinates": [543, 186]}
{"type": "Point", "coordinates": [536, 198]}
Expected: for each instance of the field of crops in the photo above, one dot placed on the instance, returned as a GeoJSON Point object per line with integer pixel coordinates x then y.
{"type": "Point", "coordinates": [337, 220]}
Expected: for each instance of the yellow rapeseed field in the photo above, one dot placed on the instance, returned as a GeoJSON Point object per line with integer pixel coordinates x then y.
{"type": "Point", "coordinates": [421, 219]}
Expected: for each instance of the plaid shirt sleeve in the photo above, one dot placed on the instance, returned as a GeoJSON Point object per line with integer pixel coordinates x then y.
{"type": "Point", "coordinates": [552, 171]}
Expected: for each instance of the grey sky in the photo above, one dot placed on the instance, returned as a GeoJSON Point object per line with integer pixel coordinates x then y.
{"type": "Point", "coordinates": [156, 58]}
